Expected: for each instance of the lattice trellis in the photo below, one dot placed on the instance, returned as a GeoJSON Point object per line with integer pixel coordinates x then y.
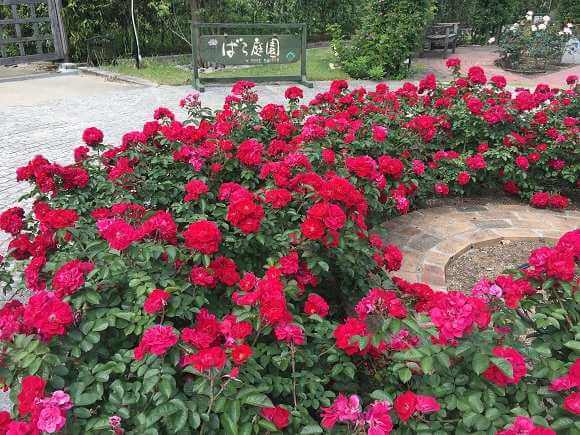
{"type": "Point", "coordinates": [31, 31]}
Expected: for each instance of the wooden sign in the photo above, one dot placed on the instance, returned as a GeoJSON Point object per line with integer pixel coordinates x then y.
{"type": "Point", "coordinates": [250, 49]}
{"type": "Point", "coordinates": [222, 46]}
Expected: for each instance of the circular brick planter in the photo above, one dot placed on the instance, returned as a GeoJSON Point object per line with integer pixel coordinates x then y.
{"type": "Point", "coordinates": [430, 238]}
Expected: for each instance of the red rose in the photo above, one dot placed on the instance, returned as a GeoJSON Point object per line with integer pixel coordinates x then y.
{"type": "Point", "coordinates": [559, 201]}
{"type": "Point", "coordinates": [117, 232]}
{"type": "Point", "coordinates": [156, 301]}
{"type": "Point", "coordinates": [245, 214]}
{"type": "Point", "coordinates": [514, 359]}
{"type": "Point", "coordinates": [241, 353]}
{"type": "Point", "coordinates": [476, 75]}
{"type": "Point", "coordinates": [328, 156]}
{"type": "Point", "coordinates": [11, 220]}
{"type": "Point", "coordinates": [278, 198]}
{"type": "Point", "coordinates": [32, 390]}
{"type": "Point", "coordinates": [405, 405]}
{"type": "Point", "coordinates": [393, 167]}
{"type": "Point", "coordinates": [202, 277]}
{"type": "Point", "coordinates": [453, 62]}
{"type": "Point", "coordinates": [250, 152]}
{"type": "Point", "coordinates": [224, 270]}
{"type": "Point", "coordinates": [572, 403]}
{"type": "Point", "coordinates": [474, 105]}
{"type": "Point", "coordinates": [156, 340]}
{"type": "Point", "coordinates": [441, 189]}
{"type": "Point", "coordinates": [312, 228]}
{"type": "Point", "coordinates": [47, 314]}
{"type": "Point", "coordinates": [540, 199]}
{"type": "Point", "coordinates": [294, 93]}
{"type": "Point", "coordinates": [316, 304]}
{"type": "Point", "coordinates": [70, 277]}
{"type": "Point", "coordinates": [463, 178]}
{"type": "Point", "coordinates": [92, 136]}
{"type": "Point", "coordinates": [561, 265]}
{"type": "Point", "coordinates": [499, 81]}
{"type": "Point", "coordinates": [207, 359]}
{"type": "Point", "coordinates": [289, 333]}
{"type": "Point", "coordinates": [346, 331]}
{"type": "Point", "coordinates": [277, 415]}
{"type": "Point", "coordinates": [522, 162]}
{"type": "Point", "coordinates": [163, 112]}
{"type": "Point", "coordinates": [203, 236]}
{"type": "Point", "coordinates": [194, 189]}
{"type": "Point", "coordinates": [380, 133]}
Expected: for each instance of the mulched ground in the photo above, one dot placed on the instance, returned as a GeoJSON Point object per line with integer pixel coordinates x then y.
{"type": "Point", "coordinates": [488, 261]}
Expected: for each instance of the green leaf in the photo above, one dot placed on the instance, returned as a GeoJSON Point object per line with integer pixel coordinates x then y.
{"type": "Point", "coordinates": [480, 362]}
{"type": "Point", "coordinates": [310, 429]}
{"type": "Point", "coordinates": [258, 399]}
{"type": "Point", "coordinates": [87, 399]}
{"type": "Point", "coordinates": [229, 426]}
{"type": "Point", "coordinates": [574, 345]}
{"type": "Point", "coordinates": [474, 401]}
{"type": "Point", "coordinates": [405, 374]}
{"type": "Point", "coordinates": [504, 366]}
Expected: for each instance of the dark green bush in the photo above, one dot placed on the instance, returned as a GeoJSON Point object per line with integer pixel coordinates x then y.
{"type": "Point", "coordinates": [390, 32]}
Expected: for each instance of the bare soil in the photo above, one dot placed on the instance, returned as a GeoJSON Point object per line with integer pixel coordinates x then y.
{"type": "Point", "coordinates": [488, 261]}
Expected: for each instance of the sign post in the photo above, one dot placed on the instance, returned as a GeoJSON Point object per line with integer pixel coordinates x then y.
{"type": "Point", "coordinates": [248, 49]}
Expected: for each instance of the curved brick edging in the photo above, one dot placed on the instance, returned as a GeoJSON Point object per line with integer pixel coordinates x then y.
{"type": "Point", "coordinates": [430, 238]}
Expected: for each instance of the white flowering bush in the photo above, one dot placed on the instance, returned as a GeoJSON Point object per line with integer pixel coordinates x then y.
{"type": "Point", "coordinates": [533, 44]}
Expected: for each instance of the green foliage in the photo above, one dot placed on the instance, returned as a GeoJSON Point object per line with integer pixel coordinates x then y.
{"type": "Point", "coordinates": [390, 32]}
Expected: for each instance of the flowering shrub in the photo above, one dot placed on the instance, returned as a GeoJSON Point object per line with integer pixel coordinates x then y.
{"type": "Point", "coordinates": [531, 46]}
{"type": "Point", "coordinates": [224, 274]}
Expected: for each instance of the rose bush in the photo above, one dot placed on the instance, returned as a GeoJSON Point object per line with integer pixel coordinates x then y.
{"type": "Point", "coordinates": [227, 274]}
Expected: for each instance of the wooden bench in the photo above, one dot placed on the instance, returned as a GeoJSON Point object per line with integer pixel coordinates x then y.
{"type": "Point", "coordinates": [441, 35]}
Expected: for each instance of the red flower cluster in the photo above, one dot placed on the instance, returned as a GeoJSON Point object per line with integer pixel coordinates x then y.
{"type": "Point", "coordinates": [525, 426]}
{"type": "Point", "coordinates": [518, 367]}
{"type": "Point", "coordinates": [50, 177]}
{"type": "Point", "coordinates": [70, 277]}
{"type": "Point", "coordinates": [544, 200]}
{"type": "Point", "coordinates": [569, 381]}
{"type": "Point", "coordinates": [212, 338]}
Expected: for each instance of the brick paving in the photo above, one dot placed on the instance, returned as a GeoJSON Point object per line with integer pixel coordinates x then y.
{"type": "Point", "coordinates": [430, 238]}
{"type": "Point", "coordinates": [485, 56]}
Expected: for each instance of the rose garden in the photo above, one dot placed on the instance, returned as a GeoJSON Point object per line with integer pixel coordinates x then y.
{"type": "Point", "coordinates": [227, 272]}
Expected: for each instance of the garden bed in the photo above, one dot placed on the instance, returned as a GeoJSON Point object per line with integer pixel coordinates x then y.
{"type": "Point", "coordinates": [487, 260]}
{"type": "Point", "coordinates": [200, 276]}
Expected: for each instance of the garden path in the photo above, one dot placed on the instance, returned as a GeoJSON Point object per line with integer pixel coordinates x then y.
{"type": "Point", "coordinates": [485, 56]}
{"type": "Point", "coordinates": [430, 238]}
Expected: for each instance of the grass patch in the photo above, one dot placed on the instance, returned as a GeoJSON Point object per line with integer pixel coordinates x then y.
{"type": "Point", "coordinates": [163, 73]}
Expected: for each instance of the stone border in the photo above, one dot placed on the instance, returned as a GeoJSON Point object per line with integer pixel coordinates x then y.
{"type": "Point", "coordinates": [112, 76]}
{"type": "Point", "coordinates": [430, 238]}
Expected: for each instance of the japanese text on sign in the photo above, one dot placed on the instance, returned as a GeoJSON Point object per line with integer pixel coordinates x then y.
{"type": "Point", "coordinates": [250, 49]}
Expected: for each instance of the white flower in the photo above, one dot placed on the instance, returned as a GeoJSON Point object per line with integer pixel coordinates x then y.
{"type": "Point", "coordinates": [546, 18]}
{"type": "Point", "coordinates": [491, 40]}
{"type": "Point", "coordinates": [560, 33]}
{"type": "Point", "coordinates": [542, 26]}
{"type": "Point", "coordinates": [530, 13]}
{"type": "Point", "coordinates": [534, 27]}
{"type": "Point", "coordinates": [567, 31]}
{"type": "Point", "coordinates": [569, 25]}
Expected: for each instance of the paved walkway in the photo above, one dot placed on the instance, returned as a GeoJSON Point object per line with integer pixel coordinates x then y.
{"type": "Point", "coordinates": [430, 238]}
{"type": "Point", "coordinates": [485, 56]}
